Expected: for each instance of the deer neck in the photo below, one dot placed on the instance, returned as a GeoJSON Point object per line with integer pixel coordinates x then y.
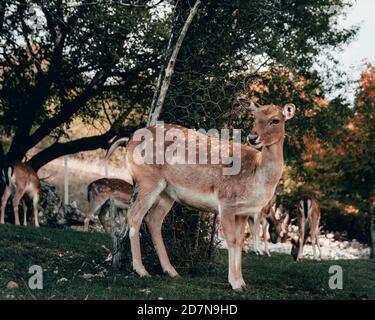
{"type": "Point", "coordinates": [272, 161]}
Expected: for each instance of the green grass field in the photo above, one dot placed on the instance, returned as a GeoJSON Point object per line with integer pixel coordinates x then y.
{"type": "Point", "coordinates": [69, 254]}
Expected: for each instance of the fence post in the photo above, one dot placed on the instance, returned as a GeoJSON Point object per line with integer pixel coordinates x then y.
{"type": "Point", "coordinates": [66, 181]}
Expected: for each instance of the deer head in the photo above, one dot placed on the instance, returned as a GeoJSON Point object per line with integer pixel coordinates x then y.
{"type": "Point", "coordinates": [269, 122]}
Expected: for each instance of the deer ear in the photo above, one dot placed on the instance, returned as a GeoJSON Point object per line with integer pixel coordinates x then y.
{"type": "Point", "coordinates": [289, 110]}
{"type": "Point", "coordinates": [247, 104]}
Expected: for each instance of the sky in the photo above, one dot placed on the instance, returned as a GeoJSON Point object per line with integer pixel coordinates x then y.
{"type": "Point", "coordinates": [363, 47]}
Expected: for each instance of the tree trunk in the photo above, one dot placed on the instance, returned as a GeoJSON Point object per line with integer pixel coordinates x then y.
{"type": "Point", "coordinates": [157, 108]}
{"type": "Point", "coordinates": [372, 230]}
{"type": "Point", "coordinates": [116, 257]}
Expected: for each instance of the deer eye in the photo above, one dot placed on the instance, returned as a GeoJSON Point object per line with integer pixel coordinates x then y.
{"type": "Point", "coordinates": [275, 121]}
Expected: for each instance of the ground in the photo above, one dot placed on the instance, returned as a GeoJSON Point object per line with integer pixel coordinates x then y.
{"type": "Point", "coordinates": [75, 268]}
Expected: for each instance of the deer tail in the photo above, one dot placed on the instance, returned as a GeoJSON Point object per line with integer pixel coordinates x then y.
{"type": "Point", "coordinates": [115, 145]}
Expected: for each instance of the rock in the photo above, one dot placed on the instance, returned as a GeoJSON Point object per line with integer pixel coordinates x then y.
{"type": "Point", "coordinates": [61, 280]}
{"type": "Point", "coordinates": [88, 276]}
{"type": "Point", "coordinates": [330, 236]}
{"type": "Point", "coordinates": [145, 290]}
{"type": "Point", "coordinates": [54, 213]}
{"type": "Point", "coordinates": [12, 285]}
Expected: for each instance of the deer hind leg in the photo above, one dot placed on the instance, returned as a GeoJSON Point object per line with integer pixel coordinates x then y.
{"type": "Point", "coordinates": [313, 247]}
{"type": "Point", "coordinates": [16, 202]}
{"type": "Point", "coordinates": [35, 208]}
{"type": "Point", "coordinates": [302, 239]}
{"type": "Point", "coordinates": [4, 201]}
{"type": "Point", "coordinates": [315, 242]}
{"type": "Point", "coordinates": [256, 226]}
{"type": "Point", "coordinates": [145, 198]}
{"type": "Point", "coordinates": [319, 248]}
{"type": "Point", "coordinates": [24, 206]}
{"type": "Point", "coordinates": [154, 220]}
{"type": "Point", "coordinates": [265, 226]}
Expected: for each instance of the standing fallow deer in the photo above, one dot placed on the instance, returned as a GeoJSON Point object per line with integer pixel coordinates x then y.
{"type": "Point", "coordinates": [20, 179]}
{"type": "Point", "coordinates": [204, 186]}
{"type": "Point", "coordinates": [308, 218]}
{"type": "Point", "coordinates": [100, 191]}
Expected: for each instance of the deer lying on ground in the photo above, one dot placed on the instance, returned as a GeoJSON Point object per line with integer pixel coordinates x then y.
{"type": "Point", "coordinates": [100, 191]}
{"type": "Point", "coordinates": [203, 185]}
{"type": "Point", "coordinates": [20, 179]}
{"type": "Point", "coordinates": [267, 220]}
{"type": "Point", "coordinates": [308, 219]}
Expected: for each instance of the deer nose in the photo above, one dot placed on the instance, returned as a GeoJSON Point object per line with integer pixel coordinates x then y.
{"type": "Point", "coordinates": [253, 138]}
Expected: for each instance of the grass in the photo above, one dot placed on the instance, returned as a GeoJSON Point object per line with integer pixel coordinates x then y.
{"type": "Point", "coordinates": [70, 254]}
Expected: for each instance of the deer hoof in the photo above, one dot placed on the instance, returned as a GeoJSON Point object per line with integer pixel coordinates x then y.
{"type": "Point", "coordinates": [172, 273]}
{"type": "Point", "coordinates": [238, 285]}
{"type": "Point", "coordinates": [142, 272]}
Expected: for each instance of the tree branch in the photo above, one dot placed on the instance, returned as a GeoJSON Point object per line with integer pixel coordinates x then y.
{"type": "Point", "coordinates": [83, 144]}
{"type": "Point", "coordinates": [155, 113]}
{"type": "Point", "coordinates": [66, 112]}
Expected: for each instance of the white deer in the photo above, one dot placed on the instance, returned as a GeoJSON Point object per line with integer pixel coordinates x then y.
{"type": "Point", "coordinates": [205, 186]}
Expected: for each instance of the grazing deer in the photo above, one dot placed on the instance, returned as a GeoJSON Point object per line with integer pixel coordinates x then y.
{"type": "Point", "coordinates": [308, 218]}
{"type": "Point", "coordinates": [204, 186]}
{"type": "Point", "coordinates": [270, 224]}
{"type": "Point", "coordinates": [20, 179]}
{"type": "Point", "coordinates": [102, 190]}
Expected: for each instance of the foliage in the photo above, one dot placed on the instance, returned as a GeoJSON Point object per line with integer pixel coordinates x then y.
{"type": "Point", "coordinates": [231, 41]}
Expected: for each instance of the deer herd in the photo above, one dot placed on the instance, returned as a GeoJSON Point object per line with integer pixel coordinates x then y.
{"type": "Point", "coordinates": [246, 198]}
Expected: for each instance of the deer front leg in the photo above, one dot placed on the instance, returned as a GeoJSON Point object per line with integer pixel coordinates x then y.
{"type": "Point", "coordinates": [240, 222]}
{"type": "Point", "coordinates": [4, 200]}
{"type": "Point", "coordinates": [94, 207]}
{"type": "Point", "coordinates": [102, 213]}
{"type": "Point", "coordinates": [229, 230]}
